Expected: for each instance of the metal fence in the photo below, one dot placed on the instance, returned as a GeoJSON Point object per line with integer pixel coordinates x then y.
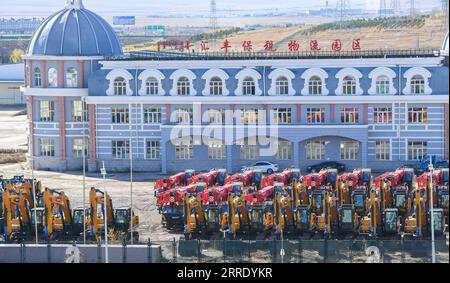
{"type": "Point", "coordinates": [226, 251]}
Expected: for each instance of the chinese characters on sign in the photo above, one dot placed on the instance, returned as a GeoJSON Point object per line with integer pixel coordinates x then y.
{"type": "Point", "coordinates": [247, 45]}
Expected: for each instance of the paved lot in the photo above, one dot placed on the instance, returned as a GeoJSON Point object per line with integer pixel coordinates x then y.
{"type": "Point", "coordinates": [13, 125]}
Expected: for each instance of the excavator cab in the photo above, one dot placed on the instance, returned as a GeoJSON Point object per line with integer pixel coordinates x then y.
{"type": "Point", "coordinates": [40, 212]}
{"type": "Point", "coordinates": [123, 218]}
{"type": "Point", "coordinates": [303, 217]}
{"type": "Point", "coordinates": [188, 174]}
{"type": "Point", "coordinates": [346, 215]}
{"type": "Point", "coordinates": [295, 174]}
{"type": "Point", "coordinates": [401, 201]}
{"type": "Point", "coordinates": [257, 177]}
{"type": "Point", "coordinates": [359, 201]}
{"type": "Point", "coordinates": [439, 221]}
{"type": "Point", "coordinates": [317, 202]}
{"type": "Point", "coordinates": [444, 200]}
{"type": "Point", "coordinates": [332, 177]}
{"type": "Point", "coordinates": [77, 220]}
{"type": "Point", "coordinates": [221, 176]}
{"type": "Point", "coordinates": [390, 221]}
{"type": "Point", "coordinates": [366, 177]}
{"type": "Point", "coordinates": [237, 189]}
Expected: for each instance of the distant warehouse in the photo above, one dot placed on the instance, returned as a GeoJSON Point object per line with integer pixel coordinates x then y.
{"type": "Point", "coordinates": [11, 79]}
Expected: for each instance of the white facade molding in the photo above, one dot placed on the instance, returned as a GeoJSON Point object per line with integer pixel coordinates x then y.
{"type": "Point", "coordinates": [251, 100]}
{"type": "Point", "coordinates": [278, 73]}
{"type": "Point", "coordinates": [215, 72]}
{"type": "Point", "coordinates": [61, 58]}
{"type": "Point", "coordinates": [116, 73]}
{"type": "Point", "coordinates": [349, 72]}
{"type": "Point", "coordinates": [179, 74]}
{"type": "Point", "coordinates": [151, 73]}
{"type": "Point", "coordinates": [408, 75]}
{"type": "Point", "coordinates": [65, 92]}
{"type": "Point", "coordinates": [382, 71]}
{"type": "Point", "coordinates": [248, 72]}
{"type": "Point", "coordinates": [319, 72]}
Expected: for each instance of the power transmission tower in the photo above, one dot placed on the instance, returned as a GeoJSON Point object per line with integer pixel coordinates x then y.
{"type": "Point", "coordinates": [213, 22]}
{"type": "Point", "coordinates": [342, 12]}
{"type": "Point", "coordinates": [383, 10]}
{"type": "Point", "coordinates": [395, 6]}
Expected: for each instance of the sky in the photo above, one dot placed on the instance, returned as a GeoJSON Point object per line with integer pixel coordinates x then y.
{"type": "Point", "coordinates": [141, 7]}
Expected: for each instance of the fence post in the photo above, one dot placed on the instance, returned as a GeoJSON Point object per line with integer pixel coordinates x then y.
{"type": "Point", "coordinates": [300, 250]}
{"type": "Point", "coordinates": [325, 247]}
{"type": "Point", "coordinates": [149, 251]}
{"type": "Point", "coordinates": [274, 251]}
{"type": "Point", "coordinates": [49, 257]}
{"type": "Point", "coordinates": [22, 252]}
{"type": "Point", "coordinates": [124, 251]}
{"type": "Point", "coordinates": [224, 248]}
{"type": "Point", "coordinates": [402, 244]}
{"type": "Point", "coordinates": [174, 250]}
{"type": "Point", "coordinates": [99, 252]}
{"type": "Point", "coordinates": [198, 251]}
{"type": "Point", "coordinates": [350, 248]}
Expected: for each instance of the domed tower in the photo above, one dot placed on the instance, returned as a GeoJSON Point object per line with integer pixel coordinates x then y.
{"type": "Point", "coordinates": [63, 52]}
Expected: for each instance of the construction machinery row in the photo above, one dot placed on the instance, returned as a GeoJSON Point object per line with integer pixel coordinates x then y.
{"type": "Point", "coordinates": [28, 210]}
{"type": "Point", "coordinates": [318, 205]}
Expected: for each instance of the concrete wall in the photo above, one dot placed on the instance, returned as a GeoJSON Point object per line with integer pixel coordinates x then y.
{"type": "Point", "coordinates": [10, 93]}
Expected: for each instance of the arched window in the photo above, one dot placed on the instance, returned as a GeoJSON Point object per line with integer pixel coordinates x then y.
{"type": "Point", "coordinates": [418, 84]}
{"type": "Point", "coordinates": [37, 77]}
{"type": "Point", "coordinates": [382, 85]}
{"type": "Point", "coordinates": [151, 86]}
{"type": "Point", "coordinates": [282, 86]}
{"type": "Point", "coordinates": [183, 86]}
{"type": "Point", "coordinates": [71, 78]}
{"type": "Point", "coordinates": [216, 86]}
{"type": "Point", "coordinates": [52, 77]}
{"type": "Point", "coordinates": [315, 85]}
{"type": "Point", "coordinates": [248, 86]}
{"type": "Point", "coordinates": [120, 86]}
{"type": "Point", "coordinates": [349, 85]}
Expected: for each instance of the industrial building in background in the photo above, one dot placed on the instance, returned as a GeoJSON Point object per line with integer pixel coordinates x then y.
{"type": "Point", "coordinates": [368, 110]}
{"type": "Point", "coordinates": [11, 79]}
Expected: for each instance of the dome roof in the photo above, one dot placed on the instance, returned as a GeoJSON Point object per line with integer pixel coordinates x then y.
{"type": "Point", "coordinates": [75, 31]}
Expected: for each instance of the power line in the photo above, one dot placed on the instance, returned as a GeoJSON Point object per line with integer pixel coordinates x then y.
{"type": "Point", "coordinates": [383, 9]}
{"type": "Point", "coordinates": [213, 21]}
{"type": "Point", "coordinates": [412, 8]}
{"type": "Point", "coordinates": [342, 12]}
{"type": "Point", "coordinates": [445, 14]}
{"type": "Point", "coordinates": [395, 6]}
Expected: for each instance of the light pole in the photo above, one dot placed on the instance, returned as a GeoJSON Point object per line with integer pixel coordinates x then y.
{"type": "Point", "coordinates": [84, 166]}
{"type": "Point", "coordinates": [103, 172]}
{"type": "Point", "coordinates": [433, 248]}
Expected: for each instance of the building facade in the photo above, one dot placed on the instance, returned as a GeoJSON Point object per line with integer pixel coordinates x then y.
{"type": "Point", "coordinates": [11, 79]}
{"type": "Point", "coordinates": [161, 112]}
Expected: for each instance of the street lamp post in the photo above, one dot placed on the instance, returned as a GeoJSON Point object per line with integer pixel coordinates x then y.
{"type": "Point", "coordinates": [103, 172]}
{"type": "Point", "coordinates": [433, 248]}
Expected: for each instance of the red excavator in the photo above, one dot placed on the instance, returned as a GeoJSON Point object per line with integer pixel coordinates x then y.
{"type": "Point", "coordinates": [180, 179]}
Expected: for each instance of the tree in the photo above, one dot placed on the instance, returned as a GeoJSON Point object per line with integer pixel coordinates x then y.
{"type": "Point", "coordinates": [16, 55]}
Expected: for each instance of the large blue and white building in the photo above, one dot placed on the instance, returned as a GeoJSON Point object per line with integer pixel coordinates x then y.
{"type": "Point", "coordinates": [165, 112]}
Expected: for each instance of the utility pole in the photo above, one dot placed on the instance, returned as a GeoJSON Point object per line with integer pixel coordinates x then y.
{"type": "Point", "coordinates": [342, 12]}
{"type": "Point", "coordinates": [105, 217]}
{"type": "Point", "coordinates": [83, 119]}
{"type": "Point", "coordinates": [445, 14]}
{"type": "Point", "coordinates": [412, 9]}
{"type": "Point", "coordinates": [395, 6]}
{"type": "Point", "coordinates": [433, 248]}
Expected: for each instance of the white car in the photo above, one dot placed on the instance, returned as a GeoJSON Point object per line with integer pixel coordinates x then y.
{"type": "Point", "coordinates": [264, 166]}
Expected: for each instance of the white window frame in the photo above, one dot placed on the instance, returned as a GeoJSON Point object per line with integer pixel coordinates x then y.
{"type": "Point", "coordinates": [383, 115]}
{"type": "Point", "coordinates": [315, 72]}
{"type": "Point", "coordinates": [275, 76]}
{"type": "Point", "coordinates": [312, 111]}
{"type": "Point", "coordinates": [247, 151]}
{"type": "Point", "coordinates": [153, 149]}
{"type": "Point", "coordinates": [349, 150]}
{"type": "Point", "coordinates": [77, 148]}
{"type": "Point", "coordinates": [243, 74]}
{"type": "Point", "coordinates": [417, 150]}
{"type": "Point", "coordinates": [180, 73]}
{"type": "Point", "coordinates": [71, 78]}
{"type": "Point", "coordinates": [417, 115]}
{"type": "Point", "coordinates": [181, 114]}
{"type": "Point", "coordinates": [375, 74]}
{"type": "Point", "coordinates": [121, 114]}
{"type": "Point", "coordinates": [79, 110]}
{"type": "Point", "coordinates": [282, 115]}
{"type": "Point", "coordinates": [115, 74]}
{"type": "Point", "coordinates": [47, 112]}
{"type": "Point", "coordinates": [249, 116]}
{"type": "Point", "coordinates": [217, 150]}
{"type": "Point", "coordinates": [215, 73]}
{"type": "Point", "coordinates": [349, 72]}
{"type": "Point", "coordinates": [148, 74]}
{"type": "Point", "coordinates": [52, 83]}
{"type": "Point", "coordinates": [47, 147]}
{"type": "Point", "coordinates": [37, 77]}
{"type": "Point", "coordinates": [410, 73]}
{"type": "Point", "coordinates": [184, 149]}
{"type": "Point", "coordinates": [284, 151]}
{"type": "Point", "coordinates": [315, 150]}
{"type": "Point", "coordinates": [120, 149]}
{"type": "Point", "coordinates": [383, 150]}
{"type": "Point", "coordinates": [215, 116]}
{"type": "Point", "coordinates": [349, 112]}
{"type": "Point", "coordinates": [152, 115]}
